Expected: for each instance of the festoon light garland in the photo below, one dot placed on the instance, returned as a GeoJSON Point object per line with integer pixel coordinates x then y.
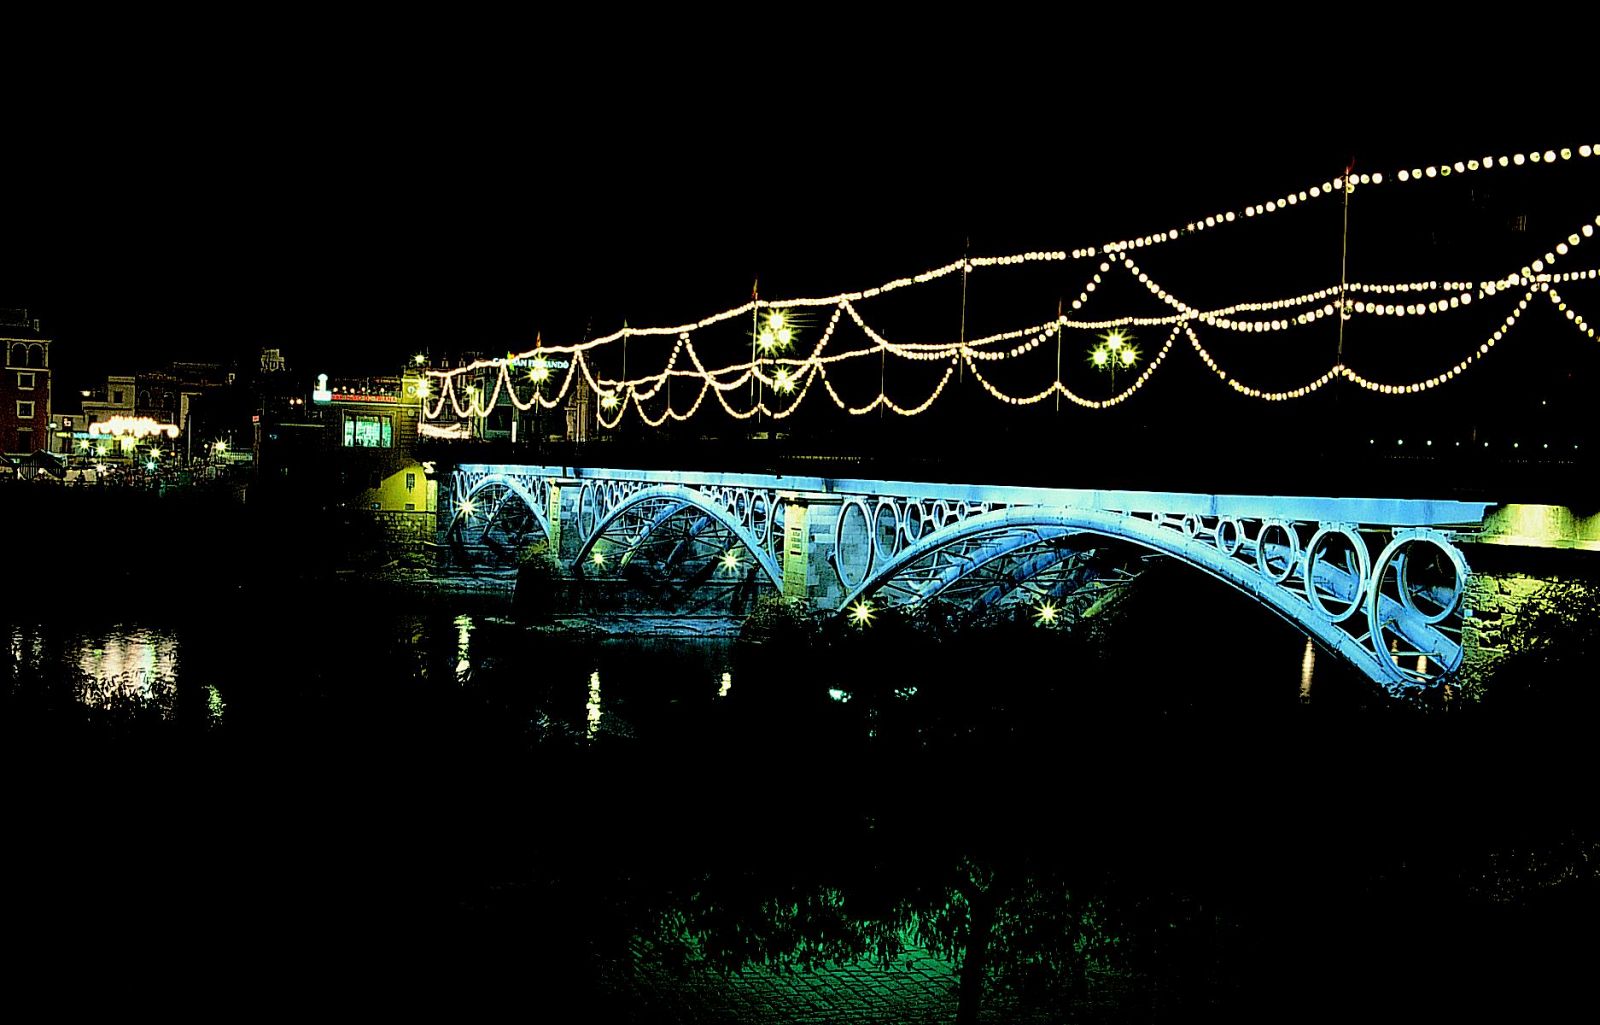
{"type": "Point", "coordinates": [791, 379]}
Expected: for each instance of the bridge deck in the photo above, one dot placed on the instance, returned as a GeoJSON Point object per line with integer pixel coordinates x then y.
{"type": "Point", "coordinates": [1388, 511]}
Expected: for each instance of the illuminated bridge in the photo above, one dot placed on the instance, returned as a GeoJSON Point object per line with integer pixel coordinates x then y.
{"type": "Point", "coordinates": [1426, 367]}
{"type": "Point", "coordinates": [1382, 583]}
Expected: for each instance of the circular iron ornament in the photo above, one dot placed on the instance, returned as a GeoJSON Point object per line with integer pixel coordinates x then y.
{"type": "Point", "coordinates": [849, 576]}
{"type": "Point", "coordinates": [741, 508]}
{"type": "Point", "coordinates": [1227, 545]}
{"type": "Point", "coordinates": [1380, 567]}
{"type": "Point", "coordinates": [1363, 560]}
{"type": "Point", "coordinates": [588, 499]}
{"type": "Point", "coordinates": [1264, 563]}
{"type": "Point", "coordinates": [911, 522]}
{"type": "Point", "coordinates": [1457, 565]}
{"type": "Point", "coordinates": [760, 520]}
{"type": "Point", "coordinates": [939, 514]}
{"type": "Point", "coordinates": [1190, 525]}
{"type": "Point", "coordinates": [886, 508]}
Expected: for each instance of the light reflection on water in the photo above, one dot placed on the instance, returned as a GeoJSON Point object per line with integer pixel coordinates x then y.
{"type": "Point", "coordinates": [591, 709]}
{"type": "Point", "coordinates": [132, 665]}
{"type": "Point", "coordinates": [464, 627]}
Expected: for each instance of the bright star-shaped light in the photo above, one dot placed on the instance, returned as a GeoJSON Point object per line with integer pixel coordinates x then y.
{"type": "Point", "coordinates": [785, 336]}
{"type": "Point", "coordinates": [783, 380]}
{"type": "Point", "coordinates": [730, 560]}
{"type": "Point", "coordinates": [1046, 614]}
{"type": "Point", "coordinates": [767, 340]}
{"type": "Point", "coordinates": [776, 321]}
{"type": "Point", "coordinates": [468, 506]}
{"type": "Point", "coordinates": [598, 558]}
{"type": "Point", "coordinates": [608, 400]}
{"type": "Point", "coordinates": [419, 359]}
{"type": "Point", "coordinates": [422, 389]}
{"type": "Point", "coordinates": [861, 613]}
{"type": "Point", "coordinates": [1116, 349]}
{"type": "Point", "coordinates": [539, 371]}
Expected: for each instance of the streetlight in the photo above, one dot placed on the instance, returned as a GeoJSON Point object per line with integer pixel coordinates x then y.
{"type": "Point", "coordinates": [1116, 349]}
{"type": "Point", "coordinates": [775, 337]}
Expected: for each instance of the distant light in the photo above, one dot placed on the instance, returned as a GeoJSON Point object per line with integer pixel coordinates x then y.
{"type": "Point", "coordinates": [467, 507]}
{"type": "Point", "coordinates": [539, 371]}
{"type": "Point", "coordinates": [838, 695]}
{"type": "Point", "coordinates": [1046, 614]}
{"type": "Point", "coordinates": [861, 614]}
{"type": "Point", "coordinates": [608, 400]}
{"type": "Point", "coordinates": [783, 380]}
{"type": "Point", "coordinates": [776, 321]}
{"type": "Point", "coordinates": [727, 684]}
{"type": "Point", "coordinates": [598, 557]}
{"type": "Point", "coordinates": [730, 560]}
{"type": "Point", "coordinates": [419, 359]}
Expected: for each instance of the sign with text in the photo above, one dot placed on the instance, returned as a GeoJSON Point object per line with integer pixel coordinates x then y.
{"type": "Point", "coordinates": [795, 546]}
{"type": "Point", "coordinates": [555, 521]}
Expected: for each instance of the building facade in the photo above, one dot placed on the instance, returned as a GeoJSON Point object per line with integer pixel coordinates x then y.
{"type": "Point", "coordinates": [25, 395]}
{"type": "Point", "coordinates": [355, 444]}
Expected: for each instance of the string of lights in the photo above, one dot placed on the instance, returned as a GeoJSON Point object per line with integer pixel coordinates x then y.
{"type": "Point", "coordinates": [793, 377]}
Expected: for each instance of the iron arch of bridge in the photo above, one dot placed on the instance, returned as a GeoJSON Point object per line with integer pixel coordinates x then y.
{"type": "Point", "coordinates": [1217, 555]}
{"type": "Point", "coordinates": [517, 486]}
{"type": "Point", "coordinates": [679, 499]}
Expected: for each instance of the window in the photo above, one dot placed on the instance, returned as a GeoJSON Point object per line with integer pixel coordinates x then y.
{"type": "Point", "coordinates": [116, 398]}
{"type": "Point", "coordinates": [25, 381]}
{"type": "Point", "coordinates": [25, 440]}
{"type": "Point", "coordinates": [411, 482]}
{"type": "Point", "coordinates": [366, 430]}
{"type": "Point", "coordinates": [24, 410]}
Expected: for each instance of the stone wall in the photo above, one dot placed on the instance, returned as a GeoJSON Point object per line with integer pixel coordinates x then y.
{"type": "Point", "coordinates": [407, 531]}
{"type": "Point", "coordinates": [1493, 603]}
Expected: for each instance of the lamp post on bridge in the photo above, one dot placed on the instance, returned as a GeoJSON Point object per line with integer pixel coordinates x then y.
{"type": "Point", "coordinates": [775, 337]}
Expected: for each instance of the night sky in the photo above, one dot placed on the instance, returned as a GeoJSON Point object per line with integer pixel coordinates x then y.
{"type": "Point", "coordinates": [465, 195]}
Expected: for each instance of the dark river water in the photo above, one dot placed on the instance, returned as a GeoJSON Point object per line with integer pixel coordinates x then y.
{"type": "Point", "coordinates": [382, 799]}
